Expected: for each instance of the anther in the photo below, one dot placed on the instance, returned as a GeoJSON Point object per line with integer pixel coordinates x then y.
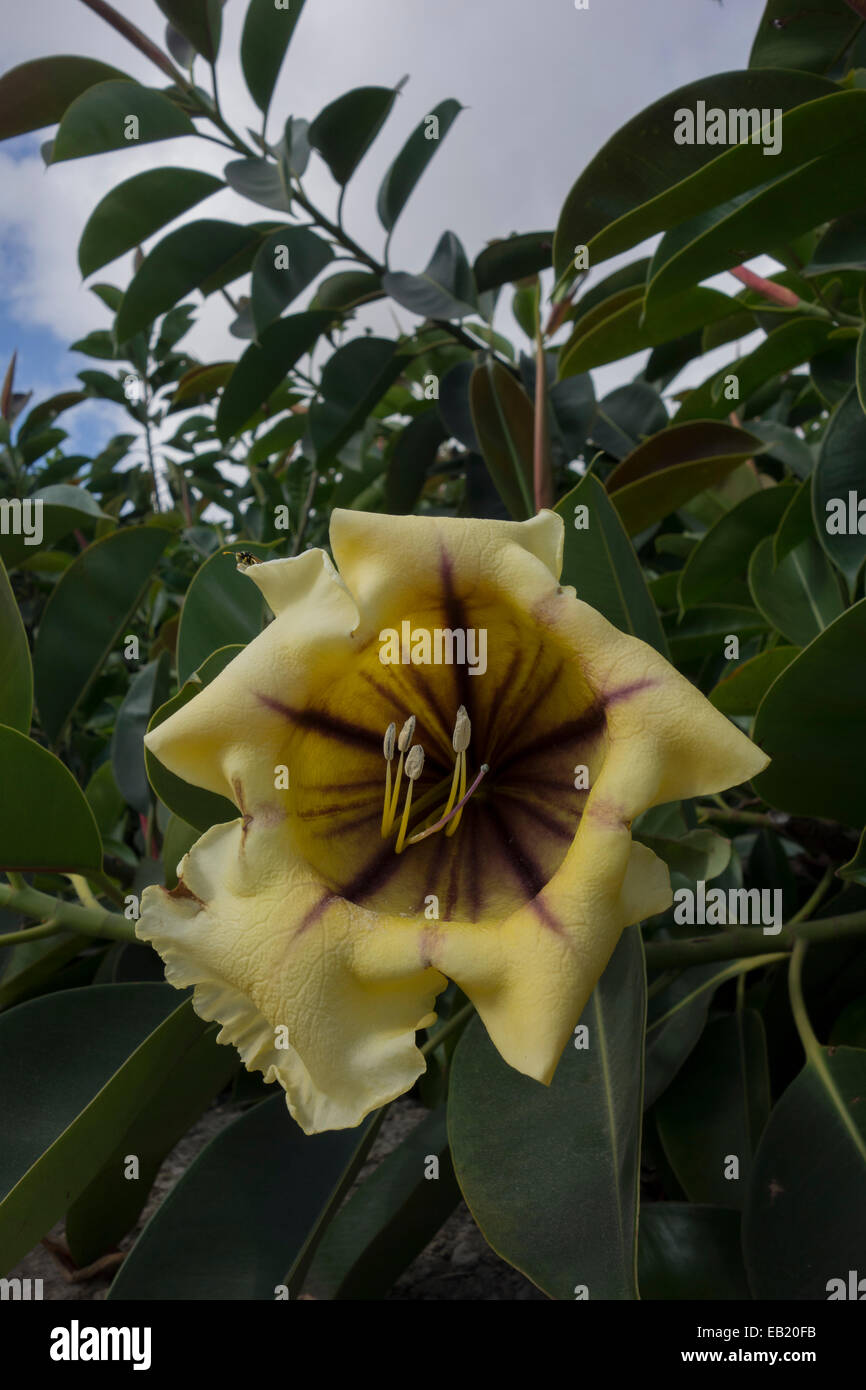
{"type": "Point", "coordinates": [462, 731]}
{"type": "Point", "coordinates": [414, 768]}
{"type": "Point", "coordinates": [406, 734]}
{"type": "Point", "coordinates": [389, 741]}
{"type": "Point", "coordinates": [388, 750]}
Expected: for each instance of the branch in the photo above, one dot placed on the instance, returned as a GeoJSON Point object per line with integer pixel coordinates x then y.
{"type": "Point", "coordinates": [88, 921]}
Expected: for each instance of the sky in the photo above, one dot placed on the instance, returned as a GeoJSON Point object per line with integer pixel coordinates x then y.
{"type": "Point", "coordinates": [545, 85]}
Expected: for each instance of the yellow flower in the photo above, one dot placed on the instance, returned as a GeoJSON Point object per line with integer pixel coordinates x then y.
{"type": "Point", "coordinates": [320, 926]}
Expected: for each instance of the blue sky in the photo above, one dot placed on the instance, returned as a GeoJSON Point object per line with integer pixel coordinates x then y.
{"type": "Point", "coordinates": [545, 86]}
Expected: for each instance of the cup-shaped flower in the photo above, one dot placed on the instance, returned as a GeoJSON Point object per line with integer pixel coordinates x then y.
{"type": "Point", "coordinates": [464, 818]}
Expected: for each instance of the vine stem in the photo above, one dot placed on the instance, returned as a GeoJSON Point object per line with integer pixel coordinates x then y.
{"type": "Point", "coordinates": [89, 921]}
{"type": "Point", "coordinates": [447, 1028]}
{"type": "Point", "coordinates": [747, 941]}
{"type": "Point", "coordinates": [20, 938]}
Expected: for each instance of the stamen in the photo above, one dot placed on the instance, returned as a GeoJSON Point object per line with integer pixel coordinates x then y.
{"type": "Point", "coordinates": [458, 811]}
{"type": "Point", "coordinates": [462, 731]}
{"type": "Point", "coordinates": [388, 750]}
{"type": "Point", "coordinates": [404, 738]}
{"type": "Point", "coordinates": [461, 759]}
{"type": "Point", "coordinates": [414, 768]}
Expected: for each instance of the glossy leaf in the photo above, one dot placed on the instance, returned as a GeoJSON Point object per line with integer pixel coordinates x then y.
{"type": "Point", "coordinates": [812, 717]}
{"type": "Point", "coordinates": [16, 673]}
{"type": "Point", "coordinates": [503, 417]}
{"type": "Point", "coordinates": [800, 596]}
{"type": "Point", "coordinates": [37, 93]}
{"type": "Point", "coordinates": [699, 854]}
{"type": "Point", "coordinates": [354, 379]}
{"type": "Point", "coordinates": [550, 1174]}
{"type": "Point", "coordinates": [809, 40]}
{"type": "Point", "coordinates": [687, 1251]}
{"type": "Point", "coordinates": [616, 327]}
{"type": "Point", "coordinates": [715, 1110]}
{"type": "Point", "coordinates": [148, 689]}
{"type": "Point", "coordinates": [200, 21]}
{"type": "Point", "coordinates": [63, 1122]}
{"type": "Point", "coordinates": [787, 346]}
{"type": "Point", "coordinates": [194, 805]}
{"type": "Point", "coordinates": [444, 290]}
{"type": "Point", "coordinates": [400, 181]}
{"type": "Point", "coordinates": [742, 691]}
{"type": "Point", "coordinates": [718, 558]}
{"type": "Point", "coordinates": [805, 1220]}
{"type": "Point", "coordinates": [640, 182]}
{"type": "Point", "coordinates": [347, 127]}
{"type": "Point", "coordinates": [286, 263]}
{"type": "Point", "coordinates": [99, 120]}
{"type": "Point", "coordinates": [514, 258]}
{"type": "Point", "coordinates": [110, 1205]}
{"type": "Point", "coordinates": [64, 508]}
{"type": "Point", "coordinates": [797, 524]}
{"type": "Point", "coordinates": [266, 36]}
{"type": "Point", "coordinates": [413, 455]}
{"type": "Point", "coordinates": [600, 562]}
{"type": "Point", "coordinates": [185, 260]}
{"type": "Point", "coordinates": [219, 1235]}
{"type": "Point", "coordinates": [670, 468]}
{"type": "Point", "coordinates": [137, 208]}
{"type": "Point", "coordinates": [45, 821]}
{"type": "Point", "coordinates": [264, 365]}
{"type": "Point", "coordinates": [347, 289]}
{"type": "Point", "coordinates": [840, 518]}
{"type": "Point", "coordinates": [222, 608]}
{"type": "Point", "coordinates": [389, 1219]}
{"type": "Point", "coordinates": [177, 841]}
{"type": "Point", "coordinates": [260, 181]}
{"type": "Point", "coordinates": [87, 615]}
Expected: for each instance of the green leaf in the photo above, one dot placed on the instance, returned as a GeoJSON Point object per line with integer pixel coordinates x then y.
{"type": "Point", "coordinates": [550, 1173]}
{"type": "Point", "coordinates": [99, 120]}
{"type": "Point", "coordinates": [389, 1220]}
{"type": "Point", "coordinates": [677, 1019]}
{"type": "Point", "coordinates": [354, 379]}
{"type": "Point", "coordinates": [37, 93]}
{"type": "Point", "coordinates": [742, 691]}
{"type": "Point", "coordinates": [810, 40]}
{"type": "Point", "coordinates": [715, 1109]}
{"type": "Point", "coordinates": [109, 1206]}
{"type": "Point", "coordinates": [699, 854]}
{"type": "Point", "coordinates": [104, 799]}
{"type": "Point", "coordinates": [16, 672]}
{"type": "Point", "coordinates": [616, 327]}
{"type": "Point", "coordinates": [504, 418]}
{"type": "Point", "coordinates": [718, 559]}
{"type": "Point", "coordinates": [222, 608]}
{"type": "Point", "coordinates": [787, 346]}
{"type": "Point", "coordinates": [856, 869]}
{"type": "Point", "coordinates": [347, 289]}
{"type": "Point", "coordinates": [805, 1219]}
{"type": "Point", "coordinates": [642, 182]}
{"type": "Point", "coordinates": [838, 475]}
{"type": "Point", "coordinates": [137, 208]}
{"type": "Point", "coordinates": [812, 718]}
{"type": "Point", "coordinates": [200, 21]}
{"type": "Point", "coordinates": [148, 689]}
{"type": "Point", "coordinates": [177, 841]}
{"type": "Point", "coordinates": [703, 630]}
{"type": "Point", "coordinates": [194, 805]}
{"type": "Point", "coordinates": [514, 258]}
{"type": "Point", "coordinates": [444, 290]}
{"type": "Point", "coordinates": [45, 821]}
{"type": "Point", "coordinates": [399, 182]}
{"type": "Point", "coordinates": [266, 36]}
{"type": "Point", "coordinates": [671, 467]}
{"type": "Point", "coordinates": [800, 596]}
{"type": "Point", "coordinates": [797, 524]}
{"type": "Point", "coordinates": [413, 455]}
{"type": "Point", "coordinates": [63, 1121]}
{"type": "Point", "coordinates": [260, 181]}
{"type": "Point", "coordinates": [46, 412]}
{"type": "Point", "coordinates": [64, 508]}
{"type": "Point", "coordinates": [265, 364]}
{"type": "Point", "coordinates": [201, 384]}
{"type": "Point", "coordinates": [190, 258]}
{"type": "Point", "coordinates": [286, 263]}
{"type": "Point", "coordinates": [224, 1233]}
{"type": "Point", "coordinates": [730, 234]}
{"type": "Point", "coordinates": [601, 563]}
{"type": "Point", "coordinates": [346, 128]}
{"type": "Point", "coordinates": [87, 615]}
{"type": "Point", "coordinates": [690, 1252]}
